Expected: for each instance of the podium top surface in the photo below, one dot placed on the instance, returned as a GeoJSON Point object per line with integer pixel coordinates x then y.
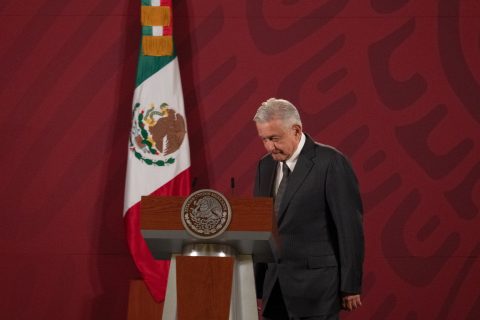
{"type": "Point", "coordinates": [248, 214]}
{"type": "Point", "coordinates": [250, 230]}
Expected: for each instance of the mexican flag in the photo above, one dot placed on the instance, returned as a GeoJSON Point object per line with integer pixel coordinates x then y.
{"type": "Point", "coordinates": [158, 153]}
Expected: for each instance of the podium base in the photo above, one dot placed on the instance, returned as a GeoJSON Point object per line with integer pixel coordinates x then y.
{"type": "Point", "coordinates": [243, 304]}
{"type": "Point", "coordinates": [141, 305]}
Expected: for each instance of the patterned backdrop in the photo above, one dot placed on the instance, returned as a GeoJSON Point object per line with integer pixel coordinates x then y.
{"type": "Point", "coordinates": [393, 84]}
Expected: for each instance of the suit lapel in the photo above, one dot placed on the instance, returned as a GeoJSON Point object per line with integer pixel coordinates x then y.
{"type": "Point", "coordinates": [302, 168]}
{"type": "Point", "coordinates": [270, 173]}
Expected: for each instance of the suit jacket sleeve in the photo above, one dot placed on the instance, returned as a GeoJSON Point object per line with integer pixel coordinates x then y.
{"type": "Point", "coordinates": [344, 202]}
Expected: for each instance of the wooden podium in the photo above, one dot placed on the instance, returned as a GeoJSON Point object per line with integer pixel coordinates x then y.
{"type": "Point", "coordinates": [209, 278]}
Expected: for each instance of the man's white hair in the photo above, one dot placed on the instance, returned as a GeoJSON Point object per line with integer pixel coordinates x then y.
{"type": "Point", "coordinates": [278, 109]}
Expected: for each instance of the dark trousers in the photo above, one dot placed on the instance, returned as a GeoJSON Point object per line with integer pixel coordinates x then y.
{"type": "Point", "coordinates": [276, 309]}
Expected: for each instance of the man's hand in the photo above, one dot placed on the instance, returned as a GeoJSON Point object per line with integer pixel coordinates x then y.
{"type": "Point", "coordinates": [351, 302]}
{"type": "Point", "coordinates": [259, 308]}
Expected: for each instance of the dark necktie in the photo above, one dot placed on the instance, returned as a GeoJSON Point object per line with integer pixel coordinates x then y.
{"type": "Point", "coordinates": [281, 187]}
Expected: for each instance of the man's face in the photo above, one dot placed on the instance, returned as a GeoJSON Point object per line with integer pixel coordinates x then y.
{"type": "Point", "coordinates": [279, 141]}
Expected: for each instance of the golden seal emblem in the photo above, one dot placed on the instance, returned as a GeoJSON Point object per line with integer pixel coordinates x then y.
{"type": "Point", "coordinates": [206, 214]}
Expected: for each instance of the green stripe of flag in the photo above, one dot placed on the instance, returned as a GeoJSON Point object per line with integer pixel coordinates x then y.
{"type": "Point", "coordinates": [148, 65]}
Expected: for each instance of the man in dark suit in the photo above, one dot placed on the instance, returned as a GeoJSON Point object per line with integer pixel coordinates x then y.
{"type": "Point", "coordinates": [319, 245]}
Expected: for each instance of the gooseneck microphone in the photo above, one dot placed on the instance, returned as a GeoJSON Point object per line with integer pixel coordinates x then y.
{"type": "Point", "coordinates": [194, 183]}
{"type": "Point", "coordinates": [232, 185]}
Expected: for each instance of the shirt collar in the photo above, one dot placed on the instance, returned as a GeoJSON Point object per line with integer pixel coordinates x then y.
{"type": "Point", "coordinates": [292, 161]}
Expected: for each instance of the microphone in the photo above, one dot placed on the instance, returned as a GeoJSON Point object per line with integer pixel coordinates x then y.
{"type": "Point", "coordinates": [232, 184]}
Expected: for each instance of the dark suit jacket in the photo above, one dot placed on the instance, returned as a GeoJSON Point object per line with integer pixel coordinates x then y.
{"type": "Point", "coordinates": [320, 245]}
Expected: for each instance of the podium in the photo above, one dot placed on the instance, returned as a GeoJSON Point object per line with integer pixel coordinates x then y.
{"type": "Point", "coordinates": [209, 278]}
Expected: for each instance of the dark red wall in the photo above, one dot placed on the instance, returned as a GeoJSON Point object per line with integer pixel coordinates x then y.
{"type": "Point", "coordinates": [393, 84]}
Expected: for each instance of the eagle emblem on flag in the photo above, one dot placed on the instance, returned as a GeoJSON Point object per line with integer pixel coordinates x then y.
{"type": "Point", "coordinates": [157, 133]}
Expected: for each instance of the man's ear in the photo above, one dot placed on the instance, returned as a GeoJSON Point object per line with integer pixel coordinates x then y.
{"type": "Point", "coordinates": [298, 129]}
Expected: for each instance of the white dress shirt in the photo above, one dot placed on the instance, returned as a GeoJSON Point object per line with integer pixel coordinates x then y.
{"type": "Point", "coordinates": [291, 162]}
